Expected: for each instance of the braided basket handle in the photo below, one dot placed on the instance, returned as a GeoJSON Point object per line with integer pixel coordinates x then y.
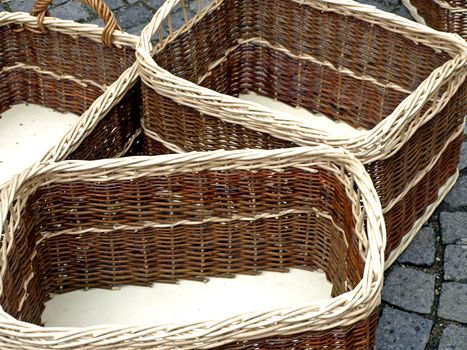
{"type": "Point", "coordinates": [41, 9]}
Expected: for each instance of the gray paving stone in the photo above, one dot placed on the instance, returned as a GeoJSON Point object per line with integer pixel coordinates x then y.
{"type": "Point", "coordinates": [463, 163]}
{"type": "Point", "coordinates": [399, 330]}
{"type": "Point", "coordinates": [97, 21]}
{"type": "Point", "coordinates": [402, 11]}
{"type": "Point", "coordinates": [114, 4]}
{"type": "Point", "coordinates": [409, 289]}
{"type": "Point", "coordinates": [56, 3]}
{"type": "Point", "coordinates": [454, 227]}
{"type": "Point", "coordinates": [155, 4]}
{"type": "Point", "coordinates": [72, 10]}
{"type": "Point", "coordinates": [454, 337]}
{"type": "Point", "coordinates": [392, 3]}
{"type": "Point", "coordinates": [422, 249]}
{"type": "Point", "coordinates": [458, 195]}
{"type": "Point", "coordinates": [21, 5]}
{"type": "Point", "coordinates": [133, 16]}
{"type": "Point", "coordinates": [452, 304]}
{"type": "Point", "coordinates": [379, 4]}
{"type": "Point", "coordinates": [455, 263]}
{"type": "Point", "coordinates": [136, 30]}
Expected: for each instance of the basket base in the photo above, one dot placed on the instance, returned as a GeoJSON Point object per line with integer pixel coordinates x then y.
{"type": "Point", "coordinates": [407, 239]}
{"type": "Point", "coordinates": [187, 301]}
{"type": "Point", "coordinates": [27, 132]}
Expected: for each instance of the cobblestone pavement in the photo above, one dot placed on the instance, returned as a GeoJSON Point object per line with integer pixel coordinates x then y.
{"type": "Point", "coordinates": [425, 293]}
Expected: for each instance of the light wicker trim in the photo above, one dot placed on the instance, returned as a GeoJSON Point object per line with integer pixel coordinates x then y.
{"type": "Point", "coordinates": [148, 132]}
{"type": "Point", "coordinates": [90, 31]}
{"type": "Point", "coordinates": [280, 48]}
{"type": "Point", "coordinates": [36, 69]}
{"type": "Point", "coordinates": [184, 222]}
{"type": "Point", "coordinates": [381, 142]}
{"type": "Point", "coordinates": [447, 6]}
{"type": "Point", "coordinates": [345, 309]}
{"type": "Point", "coordinates": [129, 143]}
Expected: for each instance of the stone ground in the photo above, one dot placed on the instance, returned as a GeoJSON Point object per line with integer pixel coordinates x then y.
{"type": "Point", "coordinates": [425, 292]}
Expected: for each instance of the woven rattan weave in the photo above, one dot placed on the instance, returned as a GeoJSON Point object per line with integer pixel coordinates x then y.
{"type": "Point", "coordinates": [66, 66]}
{"type": "Point", "coordinates": [402, 82]}
{"type": "Point", "coordinates": [137, 220]}
{"type": "Point", "coordinates": [444, 15]}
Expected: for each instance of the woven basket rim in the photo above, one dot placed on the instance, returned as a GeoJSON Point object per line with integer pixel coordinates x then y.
{"type": "Point", "coordinates": [368, 145]}
{"type": "Point", "coordinates": [356, 304]}
{"type": "Point", "coordinates": [68, 27]}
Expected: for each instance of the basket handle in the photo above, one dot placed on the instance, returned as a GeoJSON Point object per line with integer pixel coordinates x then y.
{"type": "Point", "coordinates": [41, 9]}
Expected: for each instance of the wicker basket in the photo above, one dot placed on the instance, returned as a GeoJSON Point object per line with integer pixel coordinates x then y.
{"type": "Point", "coordinates": [402, 84]}
{"type": "Point", "coordinates": [444, 15]}
{"type": "Point", "coordinates": [66, 66]}
{"type": "Point", "coordinates": [138, 220]}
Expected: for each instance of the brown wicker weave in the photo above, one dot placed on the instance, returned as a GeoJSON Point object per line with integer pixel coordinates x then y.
{"type": "Point", "coordinates": [76, 225]}
{"type": "Point", "coordinates": [444, 15]}
{"type": "Point", "coordinates": [402, 82]}
{"type": "Point", "coordinates": [66, 66]}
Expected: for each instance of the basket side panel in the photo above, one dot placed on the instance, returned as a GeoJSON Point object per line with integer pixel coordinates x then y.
{"type": "Point", "coordinates": [400, 219]}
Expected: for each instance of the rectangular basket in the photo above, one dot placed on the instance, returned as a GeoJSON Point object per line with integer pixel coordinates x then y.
{"type": "Point", "coordinates": [66, 66]}
{"type": "Point", "coordinates": [135, 221]}
{"type": "Point", "coordinates": [444, 15]}
{"type": "Point", "coordinates": [401, 82]}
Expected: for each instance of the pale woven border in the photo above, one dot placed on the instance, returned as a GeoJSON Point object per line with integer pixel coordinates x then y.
{"type": "Point", "coordinates": [447, 6]}
{"type": "Point", "coordinates": [39, 70]}
{"type": "Point", "coordinates": [381, 142]}
{"type": "Point", "coordinates": [346, 309]}
{"type": "Point", "coordinates": [71, 28]}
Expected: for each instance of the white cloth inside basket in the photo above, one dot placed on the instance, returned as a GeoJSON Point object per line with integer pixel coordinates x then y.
{"type": "Point", "coordinates": [187, 301]}
{"type": "Point", "coordinates": [303, 116]}
{"type": "Point", "coordinates": [27, 132]}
